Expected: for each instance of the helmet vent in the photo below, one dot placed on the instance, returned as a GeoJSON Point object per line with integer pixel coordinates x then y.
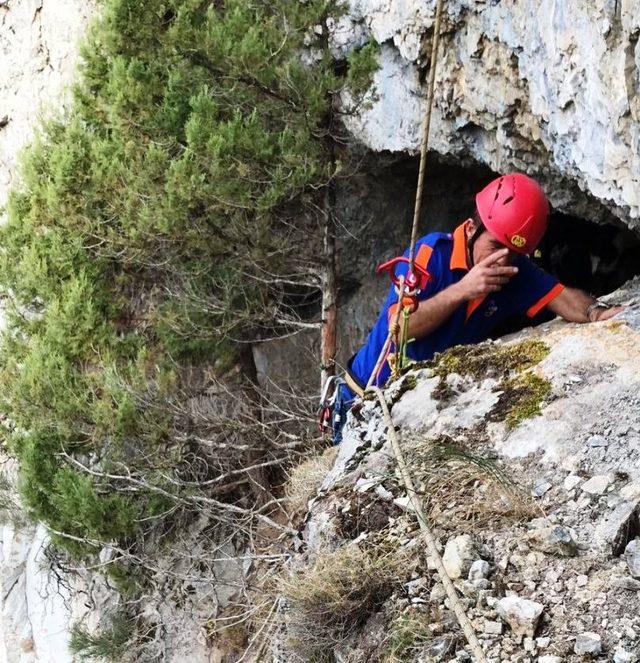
{"type": "Point", "coordinates": [507, 200]}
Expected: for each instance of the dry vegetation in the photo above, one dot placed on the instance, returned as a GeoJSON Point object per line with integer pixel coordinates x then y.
{"type": "Point", "coordinates": [460, 488]}
{"type": "Point", "coordinates": [305, 479]}
{"type": "Point", "coordinates": [330, 600]}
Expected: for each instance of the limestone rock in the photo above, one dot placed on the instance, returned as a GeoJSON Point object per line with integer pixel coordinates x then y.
{"type": "Point", "coordinates": [534, 86]}
{"type": "Point", "coordinates": [492, 628]}
{"type": "Point", "coordinates": [521, 614]}
{"type": "Point", "coordinates": [439, 647]}
{"type": "Point", "coordinates": [596, 485]}
{"type": "Point", "coordinates": [612, 533]}
{"type": "Point", "coordinates": [622, 656]}
{"type": "Point", "coordinates": [553, 540]}
{"type": "Point", "coordinates": [479, 570]}
{"type": "Point", "coordinates": [459, 554]}
{"type": "Point", "coordinates": [572, 481]}
{"type": "Point", "coordinates": [588, 643]}
{"type": "Point", "coordinates": [39, 46]}
{"type": "Point", "coordinates": [632, 557]}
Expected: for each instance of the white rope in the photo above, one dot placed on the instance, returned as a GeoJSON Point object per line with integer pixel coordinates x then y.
{"type": "Point", "coordinates": [456, 605]}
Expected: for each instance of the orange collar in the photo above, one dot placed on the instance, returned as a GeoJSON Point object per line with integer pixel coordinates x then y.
{"type": "Point", "coordinates": [459, 253]}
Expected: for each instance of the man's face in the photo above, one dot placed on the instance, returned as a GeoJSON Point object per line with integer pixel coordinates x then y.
{"type": "Point", "coordinates": [485, 245]}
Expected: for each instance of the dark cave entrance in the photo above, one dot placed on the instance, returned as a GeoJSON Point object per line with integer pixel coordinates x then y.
{"type": "Point", "coordinates": [596, 257]}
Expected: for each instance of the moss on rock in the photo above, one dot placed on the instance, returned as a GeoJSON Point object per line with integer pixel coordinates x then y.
{"type": "Point", "coordinates": [521, 399]}
{"type": "Point", "coordinates": [488, 360]}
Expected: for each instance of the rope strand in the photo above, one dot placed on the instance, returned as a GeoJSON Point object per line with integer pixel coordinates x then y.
{"type": "Point", "coordinates": [394, 323]}
{"type": "Point", "coordinates": [456, 605]}
{"type": "Point", "coordinates": [458, 608]}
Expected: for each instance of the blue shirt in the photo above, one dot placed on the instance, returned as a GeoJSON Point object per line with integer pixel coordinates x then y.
{"type": "Point", "coordinates": [445, 257]}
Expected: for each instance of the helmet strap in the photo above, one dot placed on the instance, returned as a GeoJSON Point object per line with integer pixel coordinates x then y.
{"type": "Point", "coordinates": [472, 241]}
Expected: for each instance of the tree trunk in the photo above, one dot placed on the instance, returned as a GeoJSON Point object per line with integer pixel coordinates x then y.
{"type": "Point", "coordinates": [328, 333]}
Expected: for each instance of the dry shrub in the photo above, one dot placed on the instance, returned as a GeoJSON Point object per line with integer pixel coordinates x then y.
{"type": "Point", "coordinates": [459, 488]}
{"type": "Point", "coordinates": [306, 478]}
{"type": "Point", "coordinates": [330, 600]}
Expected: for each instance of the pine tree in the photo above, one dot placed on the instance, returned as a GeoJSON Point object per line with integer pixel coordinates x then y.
{"type": "Point", "coordinates": [173, 213]}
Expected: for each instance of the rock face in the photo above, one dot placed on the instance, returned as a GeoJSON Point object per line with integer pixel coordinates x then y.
{"type": "Point", "coordinates": [563, 582]}
{"type": "Point", "coordinates": [39, 47]}
{"type": "Point", "coordinates": [545, 86]}
{"type": "Point", "coordinates": [38, 604]}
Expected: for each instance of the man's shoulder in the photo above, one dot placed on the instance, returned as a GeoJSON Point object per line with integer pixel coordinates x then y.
{"type": "Point", "coordinates": [435, 240]}
{"type": "Point", "coordinates": [434, 249]}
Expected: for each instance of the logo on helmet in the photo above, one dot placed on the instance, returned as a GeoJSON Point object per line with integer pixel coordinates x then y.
{"type": "Point", "coordinates": [518, 241]}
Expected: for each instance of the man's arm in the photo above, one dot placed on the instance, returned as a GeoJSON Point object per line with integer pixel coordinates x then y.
{"type": "Point", "coordinates": [487, 276]}
{"type": "Point", "coordinates": [573, 306]}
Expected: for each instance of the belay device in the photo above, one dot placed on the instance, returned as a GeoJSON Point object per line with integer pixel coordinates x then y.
{"type": "Point", "coordinates": [408, 289]}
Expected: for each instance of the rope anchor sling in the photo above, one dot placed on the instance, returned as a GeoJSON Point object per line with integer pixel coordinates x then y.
{"type": "Point", "coordinates": [400, 338]}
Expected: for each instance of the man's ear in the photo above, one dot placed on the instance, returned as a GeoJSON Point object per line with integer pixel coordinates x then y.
{"type": "Point", "coordinates": [470, 227]}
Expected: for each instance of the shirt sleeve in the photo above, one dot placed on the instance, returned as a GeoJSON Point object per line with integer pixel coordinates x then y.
{"type": "Point", "coordinates": [536, 288]}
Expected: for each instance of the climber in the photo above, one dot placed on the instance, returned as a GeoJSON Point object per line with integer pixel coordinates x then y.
{"type": "Point", "coordinates": [479, 275]}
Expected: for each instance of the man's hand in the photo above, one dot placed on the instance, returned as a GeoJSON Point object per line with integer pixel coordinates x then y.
{"type": "Point", "coordinates": [601, 314]}
{"type": "Point", "coordinates": [485, 277]}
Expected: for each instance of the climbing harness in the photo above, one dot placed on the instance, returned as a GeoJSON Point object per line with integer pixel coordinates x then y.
{"type": "Point", "coordinates": [328, 418]}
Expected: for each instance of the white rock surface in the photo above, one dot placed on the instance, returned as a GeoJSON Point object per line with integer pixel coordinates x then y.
{"type": "Point", "coordinates": [38, 47]}
{"type": "Point", "coordinates": [546, 86]}
{"type": "Point", "coordinates": [623, 656]}
{"type": "Point", "coordinates": [588, 643]}
{"type": "Point", "coordinates": [521, 614]}
{"type": "Point", "coordinates": [479, 570]}
{"type": "Point", "coordinates": [35, 609]}
{"type": "Point", "coordinates": [459, 554]}
{"type": "Point", "coordinates": [572, 481]}
{"type": "Point", "coordinates": [596, 485]}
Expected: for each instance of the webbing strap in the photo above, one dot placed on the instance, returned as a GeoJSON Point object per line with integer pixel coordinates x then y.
{"type": "Point", "coordinates": [353, 385]}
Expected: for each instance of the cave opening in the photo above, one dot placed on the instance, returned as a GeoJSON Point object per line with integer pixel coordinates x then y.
{"type": "Point", "coordinates": [596, 257]}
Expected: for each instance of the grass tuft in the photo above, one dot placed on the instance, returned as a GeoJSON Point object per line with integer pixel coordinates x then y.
{"type": "Point", "coordinates": [330, 600]}
{"type": "Point", "coordinates": [460, 488]}
{"type": "Point", "coordinates": [306, 478]}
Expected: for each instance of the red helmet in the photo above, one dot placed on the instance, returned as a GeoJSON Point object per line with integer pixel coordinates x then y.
{"type": "Point", "coordinates": [514, 209]}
